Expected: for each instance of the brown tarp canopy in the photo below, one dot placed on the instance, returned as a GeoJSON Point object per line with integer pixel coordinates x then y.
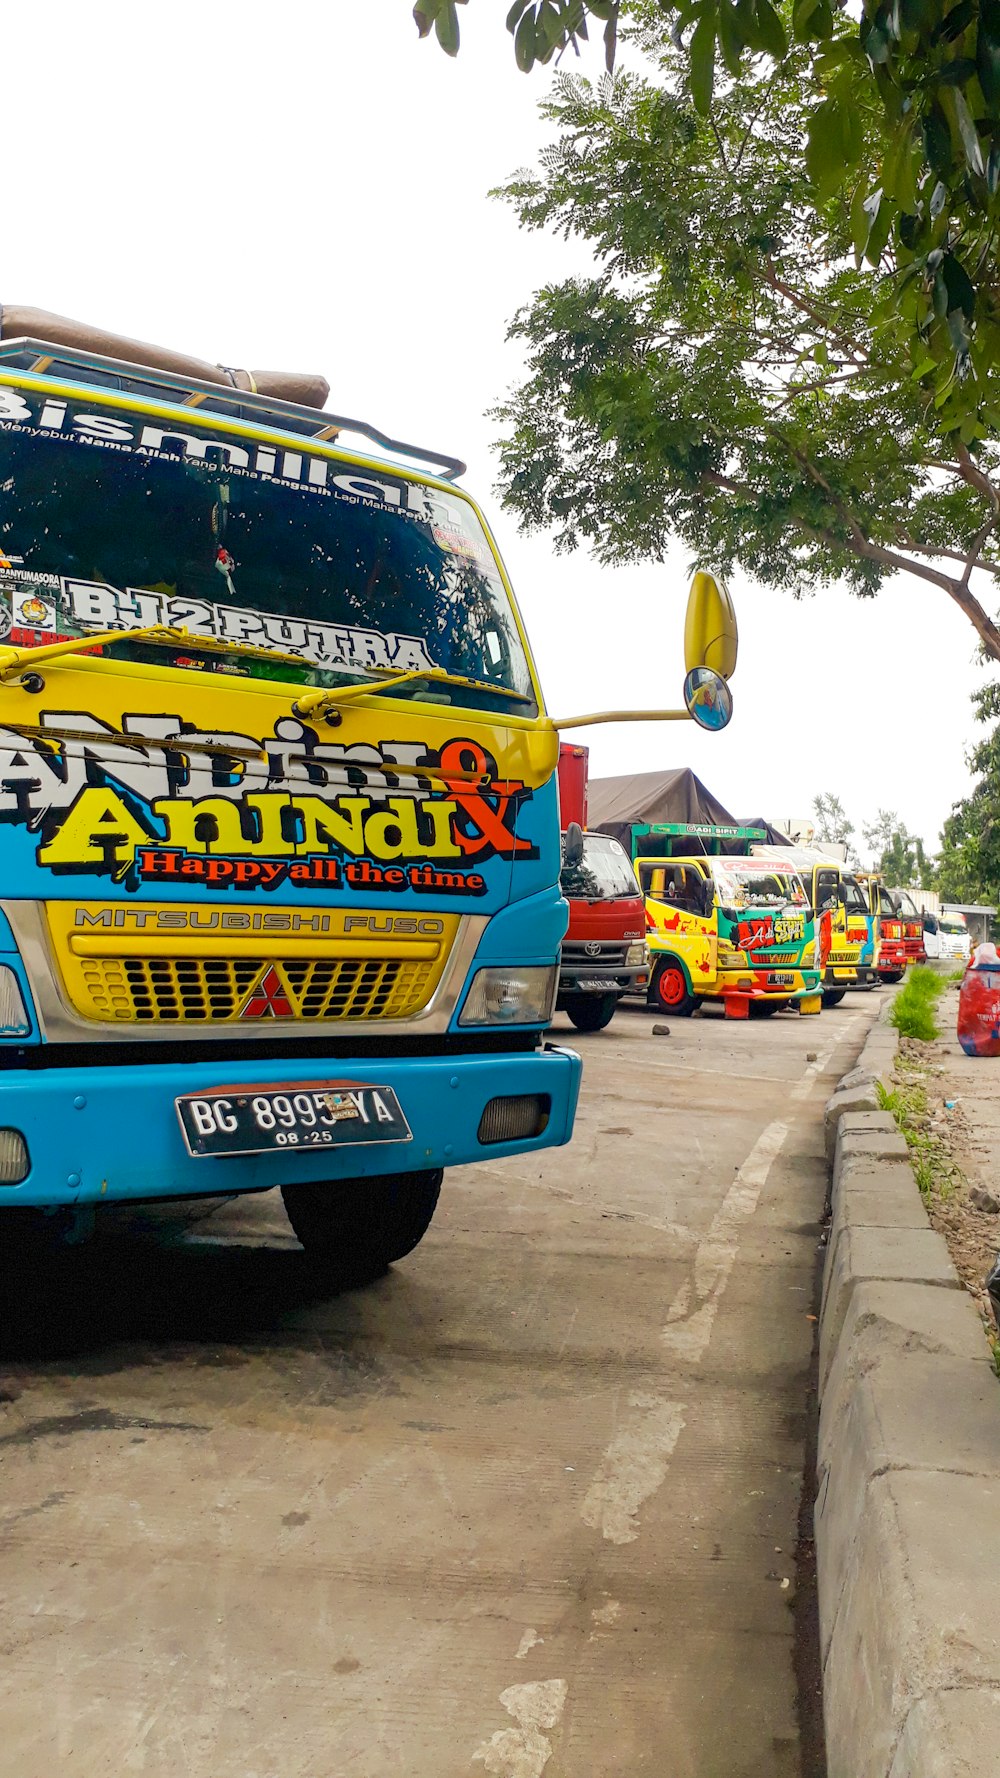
{"type": "Point", "coordinates": [615, 805]}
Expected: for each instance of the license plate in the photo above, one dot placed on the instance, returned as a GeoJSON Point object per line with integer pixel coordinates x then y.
{"type": "Point", "coordinates": [302, 1115]}
{"type": "Point", "coordinates": [780, 979]}
{"type": "Point", "coordinates": [591, 987]}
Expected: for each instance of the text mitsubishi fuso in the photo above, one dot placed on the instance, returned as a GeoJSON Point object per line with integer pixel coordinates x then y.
{"type": "Point", "coordinates": [279, 836]}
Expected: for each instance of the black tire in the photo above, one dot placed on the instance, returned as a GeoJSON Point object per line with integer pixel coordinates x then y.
{"type": "Point", "coordinates": [355, 1228]}
{"type": "Point", "coordinates": [668, 990]}
{"type": "Point", "coordinates": [591, 1012]}
{"type": "Point", "coordinates": [888, 976]}
{"type": "Point", "coordinates": [833, 996]}
{"type": "Point", "coordinates": [764, 1009]}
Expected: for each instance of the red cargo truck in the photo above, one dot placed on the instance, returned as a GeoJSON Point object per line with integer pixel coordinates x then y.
{"type": "Point", "coordinates": [604, 952]}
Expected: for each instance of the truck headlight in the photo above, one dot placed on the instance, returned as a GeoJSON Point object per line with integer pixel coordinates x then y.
{"type": "Point", "coordinates": [636, 956]}
{"type": "Point", "coordinates": [511, 996]}
{"type": "Point", "coordinates": [14, 1020]}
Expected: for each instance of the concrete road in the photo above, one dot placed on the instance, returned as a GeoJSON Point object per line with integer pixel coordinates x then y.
{"type": "Point", "coordinates": [528, 1505]}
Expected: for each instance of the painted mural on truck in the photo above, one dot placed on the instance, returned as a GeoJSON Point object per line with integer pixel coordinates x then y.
{"type": "Point", "coordinates": [286, 810]}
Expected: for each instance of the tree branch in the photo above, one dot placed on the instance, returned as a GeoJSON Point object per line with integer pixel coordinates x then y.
{"type": "Point", "coordinates": [970, 472]}
{"type": "Point", "coordinates": [860, 545]}
{"type": "Point", "coordinates": [823, 322]}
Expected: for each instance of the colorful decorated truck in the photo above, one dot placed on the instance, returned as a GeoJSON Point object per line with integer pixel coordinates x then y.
{"type": "Point", "coordinates": [729, 929]}
{"type": "Point", "coordinates": [278, 819]}
{"type": "Point", "coordinates": [888, 928]}
{"type": "Point", "coordinates": [913, 925]}
{"type": "Point", "coordinates": [604, 954]}
{"type": "Point", "coordinates": [845, 929]}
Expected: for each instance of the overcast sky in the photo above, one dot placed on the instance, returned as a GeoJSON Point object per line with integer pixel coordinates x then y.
{"type": "Point", "coordinates": [280, 187]}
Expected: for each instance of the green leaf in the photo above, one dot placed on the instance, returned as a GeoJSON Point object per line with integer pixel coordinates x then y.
{"type": "Point", "coordinates": [446, 26]}
{"type": "Point", "coordinates": [988, 66]}
{"type": "Point", "coordinates": [514, 16]}
{"type": "Point", "coordinates": [731, 40]}
{"type": "Point", "coordinates": [828, 146]}
{"type": "Point", "coordinates": [772, 33]}
{"type": "Point", "coordinates": [937, 140]}
{"type": "Point", "coordinates": [917, 16]}
{"type": "Point", "coordinates": [961, 294]}
{"type": "Point", "coordinates": [880, 215]}
{"type": "Point", "coordinates": [955, 22]}
{"type": "Point", "coordinates": [702, 53]}
{"type": "Point", "coordinates": [897, 168]}
{"type": "Point", "coordinates": [524, 42]}
{"type": "Point", "coordinates": [860, 221]}
{"type": "Point", "coordinates": [812, 20]}
{"type": "Point", "coordinates": [425, 12]}
{"type": "Point", "coordinates": [956, 73]}
{"type": "Point", "coordinates": [954, 97]}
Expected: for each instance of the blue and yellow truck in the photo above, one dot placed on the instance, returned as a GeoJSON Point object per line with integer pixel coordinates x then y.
{"type": "Point", "coordinates": [279, 834]}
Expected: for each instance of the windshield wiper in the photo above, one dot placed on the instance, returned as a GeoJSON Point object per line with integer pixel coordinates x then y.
{"type": "Point", "coordinates": [324, 704]}
{"type": "Point", "coordinates": [15, 661]}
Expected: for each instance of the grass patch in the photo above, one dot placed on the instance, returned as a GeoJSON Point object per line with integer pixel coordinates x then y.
{"type": "Point", "coordinates": [913, 1008]}
{"type": "Point", "coordinates": [933, 1169]}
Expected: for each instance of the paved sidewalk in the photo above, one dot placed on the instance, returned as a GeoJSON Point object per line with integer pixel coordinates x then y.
{"type": "Point", "coordinates": [963, 1101]}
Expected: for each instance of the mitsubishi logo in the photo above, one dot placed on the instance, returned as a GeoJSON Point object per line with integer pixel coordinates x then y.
{"type": "Point", "coordinates": [268, 998]}
{"type": "Point", "coordinates": [592, 948]}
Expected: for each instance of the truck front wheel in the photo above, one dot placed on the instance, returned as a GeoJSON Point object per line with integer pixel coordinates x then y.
{"type": "Point", "coordinates": [669, 991]}
{"type": "Point", "coordinates": [355, 1228]}
{"type": "Point", "coordinates": [833, 996]}
{"type": "Point", "coordinates": [591, 1012]}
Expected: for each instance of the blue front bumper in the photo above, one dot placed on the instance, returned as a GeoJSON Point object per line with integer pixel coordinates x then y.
{"type": "Point", "coordinates": [102, 1135]}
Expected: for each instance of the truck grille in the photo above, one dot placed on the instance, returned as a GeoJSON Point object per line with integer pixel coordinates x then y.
{"type": "Point", "coordinates": [609, 951]}
{"type": "Point", "coordinates": [196, 990]}
{"type": "Point", "coordinates": [151, 964]}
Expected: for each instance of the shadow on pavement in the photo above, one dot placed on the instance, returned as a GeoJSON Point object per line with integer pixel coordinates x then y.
{"type": "Point", "coordinates": [157, 1280]}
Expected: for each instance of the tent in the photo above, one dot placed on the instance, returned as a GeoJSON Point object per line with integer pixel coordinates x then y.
{"type": "Point", "coordinates": [616, 805]}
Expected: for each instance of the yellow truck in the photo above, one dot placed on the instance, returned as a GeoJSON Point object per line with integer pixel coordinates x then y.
{"type": "Point", "coordinates": [728, 929]}
{"type": "Point", "coordinates": [845, 931]}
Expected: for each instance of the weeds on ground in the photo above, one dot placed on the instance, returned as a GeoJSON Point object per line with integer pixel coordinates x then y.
{"type": "Point", "coordinates": [933, 1168]}
{"type": "Point", "coordinates": [913, 1008]}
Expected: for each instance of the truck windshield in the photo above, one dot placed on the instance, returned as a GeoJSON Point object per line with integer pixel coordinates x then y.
{"type": "Point", "coordinates": [855, 899]}
{"type": "Point", "coordinates": [108, 521]}
{"type": "Point", "coordinates": [602, 874]}
{"type": "Point", "coordinates": [907, 906]}
{"type": "Point", "coordinates": [745, 885]}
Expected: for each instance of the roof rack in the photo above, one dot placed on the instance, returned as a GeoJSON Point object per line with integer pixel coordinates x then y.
{"type": "Point", "coordinates": [67, 363]}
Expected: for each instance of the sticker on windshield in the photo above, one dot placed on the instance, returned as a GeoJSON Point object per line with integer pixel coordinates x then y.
{"type": "Point", "coordinates": [459, 543]}
{"type": "Point", "coordinates": [93, 605]}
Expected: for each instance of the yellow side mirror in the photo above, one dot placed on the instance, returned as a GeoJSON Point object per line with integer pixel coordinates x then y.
{"type": "Point", "coordinates": [711, 638]}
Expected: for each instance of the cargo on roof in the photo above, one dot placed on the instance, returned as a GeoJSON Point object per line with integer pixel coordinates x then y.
{"type": "Point", "coordinates": [18, 321]}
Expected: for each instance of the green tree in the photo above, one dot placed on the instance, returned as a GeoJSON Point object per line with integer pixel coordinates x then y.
{"type": "Point", "coordinates": [723, 378]}
{"type": "Point", "coordinates": [898, 854]}
{"type": "Point", "coordinates": [970, 839]}
{"type": "Point", "coordinates": [832, 823]}
{"type": "Point", "coordinates": [901, 104]}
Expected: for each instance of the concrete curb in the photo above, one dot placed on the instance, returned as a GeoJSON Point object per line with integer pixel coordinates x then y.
{"type": "Point", "coordinates": [908, 1461]}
